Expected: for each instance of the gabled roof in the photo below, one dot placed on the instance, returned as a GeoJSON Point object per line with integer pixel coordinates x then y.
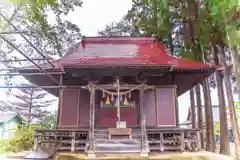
{"type": "Point", "coordinates": [125, 51]}
{"type": "Point", "coordinates": [7, 116]}
{"type": "Point", "coordinates": [122, 51]}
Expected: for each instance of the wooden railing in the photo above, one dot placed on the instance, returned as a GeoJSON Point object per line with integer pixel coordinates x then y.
{"type": "Point", "coordinates": [74, 140]}
{"type": "Point", "coordinates": [169, 139]}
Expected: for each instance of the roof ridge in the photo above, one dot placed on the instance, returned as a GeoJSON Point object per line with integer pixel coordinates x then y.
{"type": "Point", "coordinates": [120, 38]}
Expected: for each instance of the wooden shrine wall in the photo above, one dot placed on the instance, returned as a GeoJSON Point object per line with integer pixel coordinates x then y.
{"type": "Point", "coordinates": [160, 107]}
{"type": "Point", "coordinates": [69, 109]}
{"type": "Point", "coordinates": [166, 107]}
{"type": "Point", "coordinates": [108, 115]}
{"type": "Point", "coordinates": [149, 107]}
{"type": "Point", "coordinates": [74, 108]}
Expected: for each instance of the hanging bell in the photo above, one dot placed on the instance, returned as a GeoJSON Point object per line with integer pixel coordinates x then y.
{"type": "Point", "coordinates": [108, 100]}
{"type": "Point", "coordinates": [125, 101]}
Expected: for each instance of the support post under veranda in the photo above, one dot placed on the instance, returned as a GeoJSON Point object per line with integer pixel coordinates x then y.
{"type": "Point", "coordinates": [193, 108]}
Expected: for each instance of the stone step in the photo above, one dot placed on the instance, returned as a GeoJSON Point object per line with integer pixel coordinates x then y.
{"type": "Point", "coordinates": [98, 135]}
{"type": "Point", "coordinates": [118, 140]}
{"type": "Point", "coordinates": [127, 141]}
{"type": "Point", "coordinates": [106, 130]}
{"type": "Point", "coordinates": [100, 132]}
{"type": "Point", "coordinates": [119, 149]}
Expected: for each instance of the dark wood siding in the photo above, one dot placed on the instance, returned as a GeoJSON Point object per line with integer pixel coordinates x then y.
{"type": "Point", "coordinates": [166, 115]}
{"type": "Point", "coordinates": [84, 111]}
{"type": "Point", "coordinates": [69, 108]}
{"type": "Point", "coordinates": [149, 108]}
{"type": "Point", "coordinates": [109, 116]}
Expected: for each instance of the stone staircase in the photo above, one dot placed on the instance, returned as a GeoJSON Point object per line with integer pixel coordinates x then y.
{"type": "Point", "coordinates": [119, 144]}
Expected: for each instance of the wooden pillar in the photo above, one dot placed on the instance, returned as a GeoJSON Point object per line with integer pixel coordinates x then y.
{"type": "Point", "coordinates": [35, 143]}
{"type": "Point", "coordinates": [91, 120]}
{"type": "Point", "coordinates": [141, 103]}
{"type": "Point", "coordinates": [141, 115]}
{"type": "Point", "coordinates": [73, 141]}
{"type": "Point", "coordinates": [176, 106]}
{"type": "Point", "coordinates": [193, 108]}
{"type": "Point", "coordinates": [60, 91]}
{"type": "Point", "coordinates": [177, 113]}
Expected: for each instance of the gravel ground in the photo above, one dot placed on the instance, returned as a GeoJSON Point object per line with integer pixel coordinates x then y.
{"type": "Point", "coordinates": [164, 156]}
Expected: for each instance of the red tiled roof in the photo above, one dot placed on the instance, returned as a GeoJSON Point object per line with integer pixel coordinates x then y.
{"type": "Point", "coordinates": [124, 51]}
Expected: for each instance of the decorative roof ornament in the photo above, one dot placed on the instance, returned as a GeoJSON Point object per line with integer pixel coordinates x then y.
{"type": "Point", "coordinates": [83, 42]}
{"type": "Point", "coordinates": [157, 38]}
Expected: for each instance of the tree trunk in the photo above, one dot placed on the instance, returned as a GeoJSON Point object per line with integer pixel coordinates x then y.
{"type": "Point", "coordinates": [30, 107]}
{"type": "Point", "coordinates": [193, 108]}
{"type": "Point", "coordinates": [236, 67]}
{"type": "Point", "coordinates": [232, 109]}
{"type": "Point", "coordinates": [199, 112]}
{"type": "Point", "coordinates": [210, 136]}
{"type": "Point", "coordinates": [224, 137]}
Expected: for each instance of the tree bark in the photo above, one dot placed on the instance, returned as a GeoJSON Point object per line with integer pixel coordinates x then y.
{"type": "Point", "coordinates": [30, 107]}
{"type": "Point", "coordinates": [224, 137]}
{"type": "Point", "coordinates": [193, 108]}
{"type": "Point", "coordinates": [236, 67]}
{"type": "Point", "coordinates": [232, 109]}
{"type": "Point", "coordinates": [210, 137]}
{"type": "Point", "coordinates": [199, 112]}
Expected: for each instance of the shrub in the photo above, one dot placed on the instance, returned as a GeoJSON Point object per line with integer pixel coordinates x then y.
{"type": "Point", "coordinates": [22, 140]}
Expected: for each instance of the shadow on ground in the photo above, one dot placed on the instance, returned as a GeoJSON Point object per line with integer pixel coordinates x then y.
{"type": "Point", "coordinates": [174, 156]}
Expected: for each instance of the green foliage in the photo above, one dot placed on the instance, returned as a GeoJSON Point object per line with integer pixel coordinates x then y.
{"type": "Point", "coordinates": [22, 140]}
{"type": "Point", "coordinates": [49, 121]}
{"type": "Point", "coordinates": [217, 128]}
{"type": "Point", "coordinates": [45, 25]}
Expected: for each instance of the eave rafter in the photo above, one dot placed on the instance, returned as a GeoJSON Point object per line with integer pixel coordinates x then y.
{"type": "Point", "coordinates": [16, 31]}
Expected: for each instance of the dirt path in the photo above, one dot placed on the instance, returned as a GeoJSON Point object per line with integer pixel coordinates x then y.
{"type": "Point", "coordinates": [163, 156]}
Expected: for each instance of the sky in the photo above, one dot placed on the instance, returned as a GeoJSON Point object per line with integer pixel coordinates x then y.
{"type": "Point", "coordinates": [92, 17]}
{"type": "Point", "coordinates": [95, 14]}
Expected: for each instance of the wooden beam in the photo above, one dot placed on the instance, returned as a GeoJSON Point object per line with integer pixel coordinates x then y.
{"type": "Point", "coordinates": [129, 86]}
{"type": "Point", "coordinates": [31, 74]}
{"type": "Point", "coordinates": [122, 86]}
